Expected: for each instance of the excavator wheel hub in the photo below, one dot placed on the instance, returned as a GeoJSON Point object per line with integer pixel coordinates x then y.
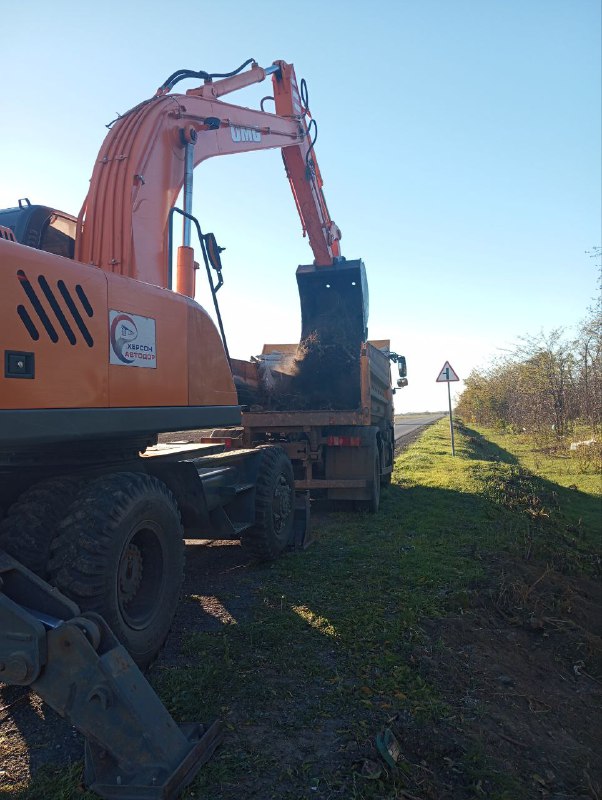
{"type": "Point", "coordinates": [130, 573]}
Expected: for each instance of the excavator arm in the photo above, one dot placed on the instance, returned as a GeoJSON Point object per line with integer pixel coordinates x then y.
{"type": "Point", "coordinates": [303, 172]}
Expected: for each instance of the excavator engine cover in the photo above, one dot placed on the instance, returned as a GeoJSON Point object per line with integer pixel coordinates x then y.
{"type": "Point", "coordinates": [335, 292]}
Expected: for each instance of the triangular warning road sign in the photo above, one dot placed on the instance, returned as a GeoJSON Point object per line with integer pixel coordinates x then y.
{"type": "Point", "coordinates": [447, 374]}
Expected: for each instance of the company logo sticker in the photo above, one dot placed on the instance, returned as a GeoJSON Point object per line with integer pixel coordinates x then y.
{"type": "Point", "coordinates": [244, 134]}
{"type": "Point", "coordinates": [132, 340]}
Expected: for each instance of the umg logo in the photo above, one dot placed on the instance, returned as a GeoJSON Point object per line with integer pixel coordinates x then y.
{"type": "Point", "coordinates": [244, 134]}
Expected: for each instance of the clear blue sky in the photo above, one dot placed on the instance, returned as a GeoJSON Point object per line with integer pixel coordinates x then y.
{"type": "Point", "coordinates": [459, 142]}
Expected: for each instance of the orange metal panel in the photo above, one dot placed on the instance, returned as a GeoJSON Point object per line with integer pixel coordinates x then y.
{"type": "Point", "coordinates": [49, 300]}
{"type": "Point", "coordinates": [210, 381]}
{"type": "Point", "coordinates": [71, 367]}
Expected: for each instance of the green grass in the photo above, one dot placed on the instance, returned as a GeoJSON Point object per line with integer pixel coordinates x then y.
{"type": "Point", "coordinates": [326, 660]}
{"type": "Point", "coordinates": [53, 784]}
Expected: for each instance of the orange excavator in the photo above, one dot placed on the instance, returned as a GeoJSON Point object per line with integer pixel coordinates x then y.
{"type": "Point", "coordinates": [104, 348]}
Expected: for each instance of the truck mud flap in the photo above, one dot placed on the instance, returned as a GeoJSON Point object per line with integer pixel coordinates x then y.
{"type": "Point", "coordinates": [302, 528]}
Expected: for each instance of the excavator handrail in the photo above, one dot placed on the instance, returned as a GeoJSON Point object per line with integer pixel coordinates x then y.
{"type": "Point", "coordinates": [214, 289]}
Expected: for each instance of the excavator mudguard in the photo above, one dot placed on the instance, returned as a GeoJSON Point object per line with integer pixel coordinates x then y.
{"type": "Point", "coordinates": [334, 298]}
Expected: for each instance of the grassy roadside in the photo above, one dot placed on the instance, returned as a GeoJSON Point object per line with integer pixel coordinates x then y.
{"type": "Point", "coordinates": [372, 629]}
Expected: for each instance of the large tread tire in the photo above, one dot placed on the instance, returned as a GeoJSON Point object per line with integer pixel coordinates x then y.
{"type": "Point", "coordinates": [372, 504]}
{"type": "Point", "coordinates": [120, 553]}
{"type": "Point", "coordinates": [374, 501]}
{"type": "Point", "coordinates": [274, 506]}
{"type": "Point", "coordinates": [385, 478]}
{"type": "Point", "coordinates": [28, 529]}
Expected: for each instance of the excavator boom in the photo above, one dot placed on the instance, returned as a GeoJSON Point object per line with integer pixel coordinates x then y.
{"type": "Point", "coordinates": [141, 167]}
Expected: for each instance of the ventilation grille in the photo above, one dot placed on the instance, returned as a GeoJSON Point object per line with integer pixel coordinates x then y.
{"type": "Point", "coordinates": [6, 233]}
{"type": "Point", "coordinates": [55, 322]}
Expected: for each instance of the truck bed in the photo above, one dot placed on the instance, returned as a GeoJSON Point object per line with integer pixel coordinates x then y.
{"type": "Point", "coordinates": [276, 420]}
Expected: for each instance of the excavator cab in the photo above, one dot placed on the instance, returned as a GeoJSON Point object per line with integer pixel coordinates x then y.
{"type": "Point", "coordinates": [41, 227]}
{"type": "Point", "coordinates": [334, 301]}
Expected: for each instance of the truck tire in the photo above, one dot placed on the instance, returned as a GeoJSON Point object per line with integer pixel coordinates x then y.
{"type": "Point", "coordinates": [372, 504]}
{"type": "Point", "coordinates": [120, 553]}
{"type": "Point", "coordinates": [374, 501]}
{"type": "Point", "coordinates": [27, 531]}
{"type": "Point", "coordinates": [385, 478]}
{"type": "Point", "coordinates": [274, 506]}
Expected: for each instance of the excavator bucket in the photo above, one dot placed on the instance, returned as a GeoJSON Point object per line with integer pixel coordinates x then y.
{"type": "Point", "coordinates": [334, 323]}
{"type": "Point", "coordinates": [334, 300]}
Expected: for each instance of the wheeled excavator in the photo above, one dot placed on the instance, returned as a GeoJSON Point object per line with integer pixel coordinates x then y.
{"type": "Point", "coordinates": [104, 348]}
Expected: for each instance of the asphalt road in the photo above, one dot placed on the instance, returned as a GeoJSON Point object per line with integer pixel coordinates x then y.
{"type": "Point", "coordinates": [405, 425]}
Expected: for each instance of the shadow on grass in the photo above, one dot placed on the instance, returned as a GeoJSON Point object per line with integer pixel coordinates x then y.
{"type": "Point", "coordinates": [477, 446]}
{"type": "Point", "coordinates": [572, 515]}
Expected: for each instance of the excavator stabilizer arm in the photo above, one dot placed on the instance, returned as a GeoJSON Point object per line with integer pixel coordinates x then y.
{"type": "Point", "coordinates": [134, 749]}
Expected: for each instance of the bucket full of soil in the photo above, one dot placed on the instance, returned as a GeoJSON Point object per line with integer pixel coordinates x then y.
{"type": "Point", "coordinates": [334, 323]}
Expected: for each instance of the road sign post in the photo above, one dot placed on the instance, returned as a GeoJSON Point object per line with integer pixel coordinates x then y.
{"type": "Point", "coordinates": [447, 374]}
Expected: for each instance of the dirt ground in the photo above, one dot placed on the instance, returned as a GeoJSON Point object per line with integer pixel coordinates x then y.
{"type": "Point", "coordinates": [518, 674]}
{"type": "Point", "coordinates": [521, 677]}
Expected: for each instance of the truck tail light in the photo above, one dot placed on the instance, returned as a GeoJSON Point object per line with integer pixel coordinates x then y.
{"type": "Point", "coordinates": [344, 441]}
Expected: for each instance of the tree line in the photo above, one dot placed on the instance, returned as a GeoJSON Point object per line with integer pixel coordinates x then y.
{"type": "Point", "coordinates": [550, 382]}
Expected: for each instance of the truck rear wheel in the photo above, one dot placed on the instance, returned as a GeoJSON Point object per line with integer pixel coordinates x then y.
{"type": "Point", "coordinates": [120, 553]}
{"type": "Point", "coordinates": [27, 531]}
{"type": "Point", "coordinates": [373, 502]}
{"type": "Point", "coordinates": [274, 506]}
{"type": "Point", "coordinates": [385, 478]}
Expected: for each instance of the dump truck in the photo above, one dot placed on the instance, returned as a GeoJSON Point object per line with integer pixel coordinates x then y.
{"type": "Point", "coordinates": [343, 454]}
{"type": "Point", "coordinates": [327, 401]}
{"type": "Point", "coordinates": [104, 348]}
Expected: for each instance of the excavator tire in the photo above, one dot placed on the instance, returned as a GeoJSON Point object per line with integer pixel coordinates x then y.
{"type": "Point", "coordinates": [274, 506]}
{"type": "Point", "coordinates": [27, 531]}
{"type": "Point", "coordinates": [120, 552]}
